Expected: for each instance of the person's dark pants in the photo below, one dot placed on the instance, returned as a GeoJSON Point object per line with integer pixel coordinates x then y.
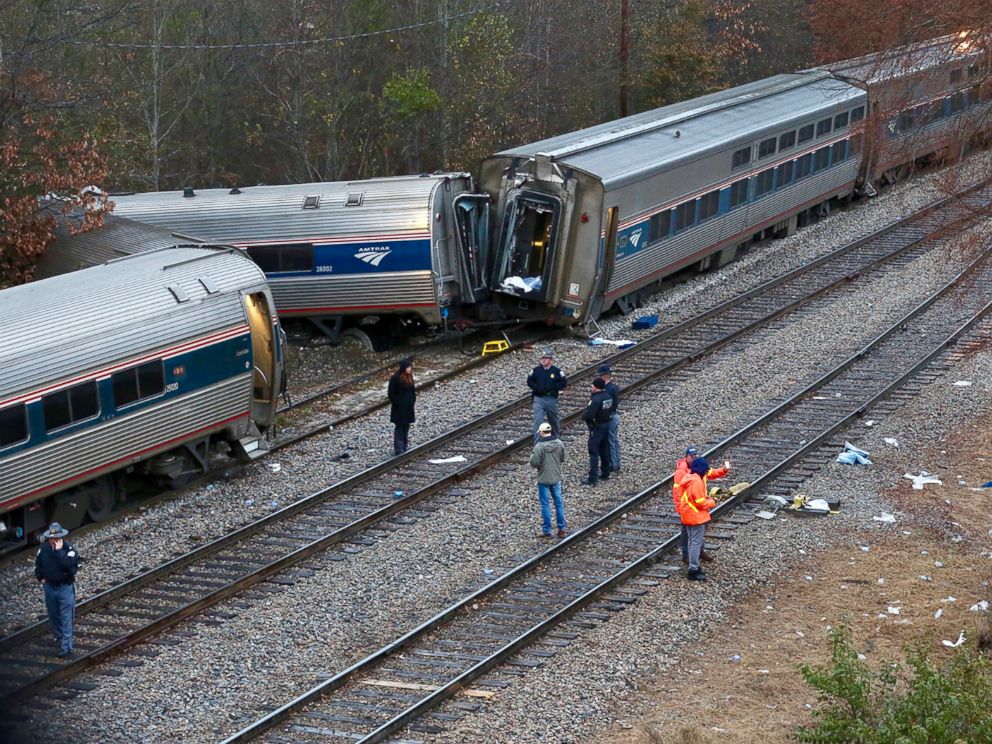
{"type": "Point", "coordinates": [60, 601]}
{"type": "Point", "coordinates": [599, 452]}
{"type": "Point", "coordinates": [401, 438]}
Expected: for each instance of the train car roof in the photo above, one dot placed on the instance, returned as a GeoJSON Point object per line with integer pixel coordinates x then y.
{"type": "Point", "coordinates": [115, 238]}
{"type": "Point", "coordinates": [907, 60]}
{"type": "Point", "coordinates": [119, 311]}
{"type": "Point", "coordinates": [304, 212]}
{"type": "Point", "coordinates": [627, 149]}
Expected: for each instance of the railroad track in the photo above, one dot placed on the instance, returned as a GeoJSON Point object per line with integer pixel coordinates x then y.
{"type": "Point", "coordinates": [119, 618]}
{"type": "Point", "coordinates": [497, 633]}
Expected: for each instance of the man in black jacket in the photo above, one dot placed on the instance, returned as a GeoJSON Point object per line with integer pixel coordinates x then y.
{"type": "Point", "coordinates": [597, 417]}
{"type": "Point", "coordinates": [55, 567]}
{"type": "Point", "coordinates": [545, 382]}
{"type": "Point", "coordinates": [606, 372]}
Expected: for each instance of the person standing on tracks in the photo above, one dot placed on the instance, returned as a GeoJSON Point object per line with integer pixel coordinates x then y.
{"type": "Point", "coordinates": [606, 372]}
{"type": "Point", "coordinates": [402, 397]}
{"type": "Point", "coordinates": [55, 568]}
{"type": "Point", "coordinates": [546, 381]}
{"type": "Point", "coordinates": [597, 417]}
{"type": "Point", "coordinates": [695, 513]}
{"type": "Point", "coordinates": [681, 471]}
{"type": "Point", "coordinates": [547, 456]}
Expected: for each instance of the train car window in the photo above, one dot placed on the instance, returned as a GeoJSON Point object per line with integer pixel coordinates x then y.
{"type": "Point", "coordinates": [273, 259]}
{"type": "Point", "coordinates": [786, 141]}
{"type": "Point", "coordinates": [70, 405]}
{"type": "Point", "coordinates": [660, 225]}
{"type": "Point", "coordinates": [741, 158]}
{"type": "Point", "coordinates": [144, 381]}
{"type": "Point", "coordinates": [840, 121]}
{"type": "Point", "coordinates": [823, 127]}
{"type": "Point", "coordinates": [685, 215]}
{"type": "Point", "coordinates": [766, 148]}
{"type": "Point", "coordinates": [822, 159]}
{"type": "Point", "coordinates": [805, 133]}
{"type": "Point", "coordinates": [709, 205]}
{"type": "Point", "coordinates": [764, 182]}
{"type": "Point", "coordinates": [857, 114]}
{"type": "Point", "coordinates": [956, 75]}
{"type": "Point", "coordinates": [738, 192]}
{"type": "Point", "coordinates": [804, 165]}
{"type": "Point", "coordinates": [783, 177]}
{"type": "Point", "coordinates": [839, 154]}
{"type": "Point", "coordinates": [13, 425]}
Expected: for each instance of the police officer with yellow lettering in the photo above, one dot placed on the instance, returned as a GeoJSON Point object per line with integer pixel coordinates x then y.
{"type": "Point", "coordinates": [597, 417]}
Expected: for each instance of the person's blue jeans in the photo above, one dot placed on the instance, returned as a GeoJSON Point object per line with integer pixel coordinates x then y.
{"type": "Point", "coordinates": [61, 604]}
{"type": "Point", "coordinates": [545, 407]}
{"type": "Point", "coordinates": [615, 442]}
{"type": "Point", "coordinates": [546, 493]}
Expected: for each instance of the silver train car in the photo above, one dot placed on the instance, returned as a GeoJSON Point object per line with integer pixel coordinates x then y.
{"type": "Point", "coordinates": [592, 219]}
{"type": "Point", "coordinates": [130, 369]}
{"type": "Point", "coordinates": [410, 249]}
{"type": "Point", "coordinates": [929, 101]}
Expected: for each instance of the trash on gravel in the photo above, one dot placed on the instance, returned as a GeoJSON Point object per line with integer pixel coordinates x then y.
{"type": "Point", "coordinates": [645, 321]}
{"type": "Point", "coordinates": [955, 644]}
{"type": "Point", "coordinates": [623, 343]}
{"type": "Point", "coordinates": [510, 441]}
{"type": "Point", "coordinates": [852, 455]}
{"type": "Point", "coordinates": [962, 383]}
{"type": "Point", "coordinates": [923, 479]}
{"type": "Point", "coordinates": [892, 610]}
{"type": "Point", "coordinates": [987, 484]}
{"type": "Point", "coordinates": [886, 517]}
{"type": "Point", "coordinates": [982, 606]}
{"type": "Point", "coordinates": [765, 514]}
{"type": "Point", "coordinates": [273, 467]}
{"type": "Point", "coordinates": [892, 441]}
{"type": "Point", "coordinates": [864, 548]}
{"type": "Point", "coordinates": [488, 571]}
{"type": "Point", "coordinates": [448, 460]}
{"type": "Point", "coordinates": [938, 613]}
{"type": "Point", "coordinates": [870, 422]}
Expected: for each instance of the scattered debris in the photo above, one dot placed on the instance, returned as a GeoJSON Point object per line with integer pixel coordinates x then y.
{"type": "Point", "coordinates": [525, 284]}
{"type": "Point", "coordinates": [870, 422]}
{"type": "Point", "coordinates": [923, 479]}
{"type": "Point", "coordinates": [644, 322]}
{"type": "Point", "coordinates": [938, 613]}
{"type": "Point", "coordinates": [621, 343]}
{"type": "Point", "coordinates": [448, 460]}
{"type": "Point", "coordinates": [982, 606]}
{"type": "Point", "coordinates": [273, 467]}
{"type": "Point", "coordinates": [892, 610]}
{"type": "Point", "coordinates": [886, 517]}
{"type": "Point", "coordinates": [892, 441]}
{"type": "Point", "coordinates": [962, 383]}
{"type": "Point", "coordinates": [955, 644]}
{"type": "Point", "coordinates": [852, 455]}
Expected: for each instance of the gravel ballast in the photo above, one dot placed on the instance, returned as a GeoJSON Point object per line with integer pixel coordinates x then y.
{"type": "Point", "coordinates": [198, 691]}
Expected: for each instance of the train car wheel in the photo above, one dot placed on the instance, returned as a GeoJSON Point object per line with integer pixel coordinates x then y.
{"type": "Point", "coordinates": [103, 498]}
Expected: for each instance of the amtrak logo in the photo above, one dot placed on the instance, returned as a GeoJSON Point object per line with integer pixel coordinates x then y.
{"type": "Point", "coordinates": [635, 237]}
{"type": "Point", "coordinates": [373, 256]}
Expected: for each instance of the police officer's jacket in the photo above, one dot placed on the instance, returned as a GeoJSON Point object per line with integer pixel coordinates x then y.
{"type": "Point", "coordinates": [544, 382]}
{"type": "Point", "coordinates": [614, 390]}
{"type": "Point", "coordinates": [56, 567]}
{"type": "Point", "coordinates": [600, 409]}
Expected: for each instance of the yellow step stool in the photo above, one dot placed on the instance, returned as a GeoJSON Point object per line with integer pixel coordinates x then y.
{"type": "Point", "coordinates": [495, 347]}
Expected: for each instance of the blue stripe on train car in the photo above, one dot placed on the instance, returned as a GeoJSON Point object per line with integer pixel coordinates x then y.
{"type": "Point", "coordinates": [184, 373]}
{"type": "Point", "coordinates": [367, 257]}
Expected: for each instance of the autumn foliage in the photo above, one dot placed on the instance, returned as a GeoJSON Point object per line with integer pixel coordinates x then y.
{"type": "Point", "coordinates": [43, 169]}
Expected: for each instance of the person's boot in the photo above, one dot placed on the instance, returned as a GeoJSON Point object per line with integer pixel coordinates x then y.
{"type": "Point", "coordinates": [696, 575]}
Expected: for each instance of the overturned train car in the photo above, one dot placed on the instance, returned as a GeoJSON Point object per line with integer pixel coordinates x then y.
{"type": "Point", "coordinates": [126, 371]}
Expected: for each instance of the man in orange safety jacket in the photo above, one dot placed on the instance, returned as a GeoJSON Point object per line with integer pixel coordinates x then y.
{"type": "Point", "coordinates": [681, 471]}
{"type": "Point", "coordinates": [695, 513]}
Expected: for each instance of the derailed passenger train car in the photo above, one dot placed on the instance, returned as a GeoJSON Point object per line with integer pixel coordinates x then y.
{"type": "Point", "coordinates": [928, 102]}
{"type": "Point", "coordinates": [402, 249]}
{"type": "Point", "coordinates": [592, 219]}
{"type": "Point", "coordinates": [130, 368]}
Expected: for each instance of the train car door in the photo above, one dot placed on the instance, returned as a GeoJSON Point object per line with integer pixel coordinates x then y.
{"type": "Point", "coordinates": [525, 253]}
{"type": "Point", "coordinates": [472, 221]}
{"type": "Point", "coordinates": [263, 347]}
{"type": "Point", "coordinates": [606, 261]}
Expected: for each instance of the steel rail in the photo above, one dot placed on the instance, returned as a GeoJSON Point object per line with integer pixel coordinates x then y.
{"type": "Point", "coordinates": [460, 682]}
{"type": "Point", "coordinates": [343, 533]}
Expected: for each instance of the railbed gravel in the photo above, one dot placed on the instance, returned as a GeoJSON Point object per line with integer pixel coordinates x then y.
{"type": "Point", "coordinates": [170, 528]}
{"type": "Point", "coordinates": [224, 674]}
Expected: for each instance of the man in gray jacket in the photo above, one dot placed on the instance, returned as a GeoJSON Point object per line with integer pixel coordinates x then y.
{"type": "Point", "coordinates": [547, 457]}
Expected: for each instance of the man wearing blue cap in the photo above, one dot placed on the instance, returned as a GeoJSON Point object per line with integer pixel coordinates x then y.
{"type": "Point", "coordinates": [546, 381]}
{"type": "Point", "coordinates": [606, 372]}
{"type": "Point", "coordinates": [682, 469]}
{"type": "Point", "coordinates": [55, 567]}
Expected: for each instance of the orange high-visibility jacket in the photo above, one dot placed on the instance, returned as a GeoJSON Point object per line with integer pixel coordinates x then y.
{"type": "Point", "coordinates": [681, 471]}
{"type": "Point", "coordinates": [696, 505]}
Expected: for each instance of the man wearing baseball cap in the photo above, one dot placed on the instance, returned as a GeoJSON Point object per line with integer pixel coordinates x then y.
{"type": "Point", "coordinates": [55, 567]}
{"type": "Point", "coordinates": [682, 469]}
{"type": "Point", "coordinates": [548, 456]}
{"type": "Point", "coordinates": [545, 382]}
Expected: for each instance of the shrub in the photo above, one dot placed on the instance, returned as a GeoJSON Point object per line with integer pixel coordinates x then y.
{"type": "Point", "coordinates": [920, 703]}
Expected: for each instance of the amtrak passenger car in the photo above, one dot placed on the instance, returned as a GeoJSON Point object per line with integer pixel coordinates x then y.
{"type": "Point", "coordinates": [411, 247]}
{"type": "Point", "coordinates": [589, 220]}
{"type": "Point", "coordinates": [126, 369]}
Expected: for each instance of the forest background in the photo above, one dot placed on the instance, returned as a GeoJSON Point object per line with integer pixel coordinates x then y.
{"type": "Point", "coordinates": [160, 94]}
